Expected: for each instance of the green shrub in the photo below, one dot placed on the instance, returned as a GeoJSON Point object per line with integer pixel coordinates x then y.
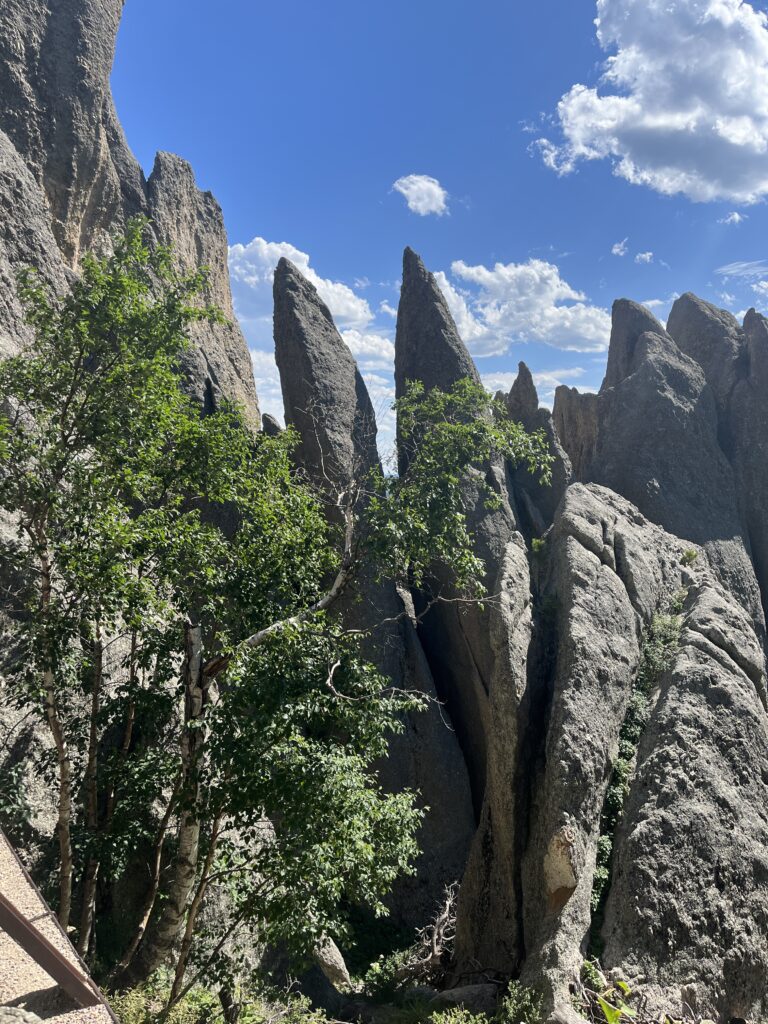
{"type": "Point", "coordinates": [689, 556]}
{"type": "Point", "coordinates": [538, 546]}
{"type": "Point", "coordinates": [458, 1015]}
{"type": "Point", "coordinates": [143, 1004]}
{"type": "Point", "coordinates": [521, 1005]}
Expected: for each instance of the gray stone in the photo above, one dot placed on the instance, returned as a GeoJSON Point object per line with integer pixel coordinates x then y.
{"type": "Point", "coordinates": [656, 442]}
{"type": "Point", "coordinates": [536, 501]}
{"type": "Point", "coordinates": [270, 425]}
{"type": "Point", "coordinates": [68, 180]}
{"type": "Point", "coordinates": [478, 655]}
{"type": "Point", "coordinates": [323, 392]}
{"type": "Point", "coordinates": [686, 915]}
{"type": "Point", "coordinates": [427, 345]}
{"type": "Point", "coordinates": [327, 402]}
{"type": "Point", "coordinates": [475, 998]}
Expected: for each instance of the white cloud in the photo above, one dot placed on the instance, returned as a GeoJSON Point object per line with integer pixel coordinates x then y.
{"type": "Point", "coordinates": [644, 257]}
{"type": "Point", "coordinates": [682, 104]}
{"type": "Point", "coordinates": [733, 218]}
{"type": "Point", "coordinates": [385, 307]}
{"type": "Point", "coordinates": [371, 351]}
{"type": "Point", "coordinates": [423, 194]}
{"type": "Point", "coordinates": [620, 248]}
{"type": "Point", "coordinates": [761, 288]}
{"type": "Point", "coordinates": [252, 268]}
{"type": "Point", "coordinates": [523, 302]}
{"type": "Point", "coordinates": [382, 393]}
{"type": "Point", "coordinates": [268, 384]}
{"type": "Point", "coordinates": [744, 268]}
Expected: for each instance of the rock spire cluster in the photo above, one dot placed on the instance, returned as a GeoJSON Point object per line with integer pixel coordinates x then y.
{"type": "Point", "coordinates": [657, 513]}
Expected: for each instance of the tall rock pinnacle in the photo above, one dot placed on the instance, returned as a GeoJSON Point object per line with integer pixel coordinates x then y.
{"type": "Point", "coordinates": [324, 395]}
{"type": "Point", "coordinates": [427, 345]}
{"type": "Point", "coordinates": [69, 182]}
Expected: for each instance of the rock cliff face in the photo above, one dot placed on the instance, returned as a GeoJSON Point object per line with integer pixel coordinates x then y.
{"type": "Point", "coordinates": [68, 180]}
{"type": "Point", "coordinates": [656, 510]}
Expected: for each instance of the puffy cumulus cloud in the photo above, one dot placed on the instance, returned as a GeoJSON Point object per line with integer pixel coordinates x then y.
{"type": "Point", "coordinates": [372, 351]}
{"type": "Point", "coordinates": [252, 268]}
{"type": "Point", "coordinates": [386, 307]}
{"type": "Point", "coordinates": [423, 194]}
{"type": "Point", "coordinates": [620, 248]}
{"type": "Point", "coordinates": [268, 383]}
{"type": "Point", "coordinates": [522, 302]}
{"type": "Point", "coordinates": [644, 257]}
{"type": "Point", "coordinates": [682, 105]}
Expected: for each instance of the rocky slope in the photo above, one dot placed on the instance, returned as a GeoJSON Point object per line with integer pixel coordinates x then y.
{"type": "Point", "coordinates": [653, 517]}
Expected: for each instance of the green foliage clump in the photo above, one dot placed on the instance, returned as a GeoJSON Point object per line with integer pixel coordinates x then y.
{"type": "Point", "coordinates": [538, 546]}
{"type": "Point", "coordinates": [520, 1005]}
{"type": "Point", "coordinates": [689, 556]}
{"type": "Point", "coordinates": [417, 519]}
{"type": "Point", "coordinates": [144, 1003]}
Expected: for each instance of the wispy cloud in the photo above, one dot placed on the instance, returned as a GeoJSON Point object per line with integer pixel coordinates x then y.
{"type": "Point", "coordinates": [620, 248]}
{"type": "Point", "coordinates": [733, 218]}
{"type": "Point", "coordinates": [744, 268]}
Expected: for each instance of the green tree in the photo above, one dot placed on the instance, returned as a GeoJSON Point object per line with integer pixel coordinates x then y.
{"type": "Point", "coordinates": [175, 620]}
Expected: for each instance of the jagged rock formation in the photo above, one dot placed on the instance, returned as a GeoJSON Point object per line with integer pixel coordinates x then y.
{"type": "Point", "coordinates": [478, 657]}
{"type": "Point", "coordinates": [540, 683]}
{"type": "Point", "coordinates": [327, 402]}
{"type": "Point", "coordinates": [538, 501]}
{"type": "Point", "coordinates": [659, 502]}
{"type": "Point", "coordinates": [68, 180]}
{"type": "Point", "coordinates": [653, 437]}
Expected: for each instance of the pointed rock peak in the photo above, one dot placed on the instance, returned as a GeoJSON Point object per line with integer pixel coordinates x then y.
{"type": "Point", "coordinates": [324, 395]}
{"type": "Point", "coordinates": [428, 347]}
{"type": "Point", "coordinates": [689, 309]}
{"type": "Point", "coordinates": [523, 399]}
{"type": "Point", "coordinates": [630, 322]}
{"type": "Point", "coordinates": [754, 321]}
{"type": "Point", "coordinates": [712, 337]}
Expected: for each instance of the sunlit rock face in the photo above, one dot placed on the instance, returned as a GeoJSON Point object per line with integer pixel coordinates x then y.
{"type": "Point", "coordinates": [69, 182]}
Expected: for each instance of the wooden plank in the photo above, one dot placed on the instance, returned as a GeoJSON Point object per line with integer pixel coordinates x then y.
{"type": "Point", "coordinates": [66, 974]}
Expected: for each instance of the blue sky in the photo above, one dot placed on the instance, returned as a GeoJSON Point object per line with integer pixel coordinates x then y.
{"type": "Point", "coordinates": [572, 161]}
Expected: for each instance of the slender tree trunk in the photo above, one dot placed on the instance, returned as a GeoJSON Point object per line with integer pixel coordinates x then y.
{"type": "Point", "coordinates": [194, 909]}
{"type": "Point", "coordinates": [151, 897]}
{"type": "Point", "coordinates": [63, 826]}
{"type": "Point", "coordinates": [166, 932]}
{"type": "Point", "coordinates": [52, 717]}
{"type": "Point", "coordinates": [92, 798]}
